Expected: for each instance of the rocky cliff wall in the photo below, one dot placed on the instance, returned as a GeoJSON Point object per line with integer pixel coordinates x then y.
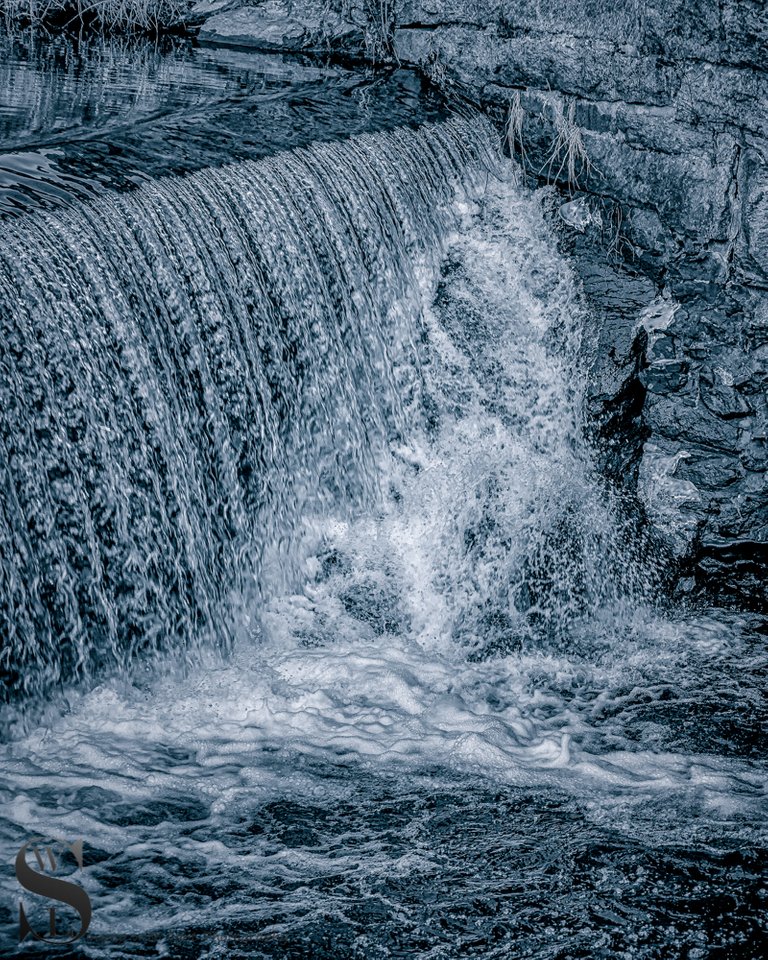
{"type": "Point", "coordinates": [652, 117]}
{"type": "Point", "coordinates": [658, 111]}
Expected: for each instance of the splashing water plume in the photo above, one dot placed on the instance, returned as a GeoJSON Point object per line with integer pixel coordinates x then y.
{"type": "Point", "coordinates": [199, 372]}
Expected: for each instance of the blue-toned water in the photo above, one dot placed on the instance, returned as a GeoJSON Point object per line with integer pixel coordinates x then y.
{"type": "Point", "coordinates": [320, 627]}
{"type": "Point", "coordinates": [81, 115]}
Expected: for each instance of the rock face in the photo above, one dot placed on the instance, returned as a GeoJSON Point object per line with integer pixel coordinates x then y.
{"type": "Point", "coordinates": [286, 25]}
{"type": "Point", "coordinates": [654, 115]}
{"type": "Point", "coordinates": [658, 111]}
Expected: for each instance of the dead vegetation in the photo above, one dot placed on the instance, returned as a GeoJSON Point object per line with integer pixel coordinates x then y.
{"type": "Point", "coordinates": [147, 16]}
{"type": "Point", "coordinates": [566, 160]}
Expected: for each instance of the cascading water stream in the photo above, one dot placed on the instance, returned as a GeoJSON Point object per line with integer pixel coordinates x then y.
{"type": "Point", "coordinates": [324, 412]}
{"type": "Point", "coordinates": [192, 370]}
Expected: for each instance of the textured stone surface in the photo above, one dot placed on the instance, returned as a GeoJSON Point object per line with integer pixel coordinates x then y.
{"type": "Point", "coordinates": [287, 25]}
{"type": "Point", "coordinates": [714, 423]}
{"type": "Point", "coordinates": [670, 100]}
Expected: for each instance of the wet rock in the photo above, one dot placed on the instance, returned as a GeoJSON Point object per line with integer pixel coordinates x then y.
{"type": "Point", "coordinates": [678, 406]}
{"type": "Point", "coordinates": [674, 504]}
{"type": "Point", "coordinates": [709, 470]}
{"type": "Point", "coordinates": [665, 376]}
{"type": "Point", "coordinates": [720, 395]}
{"type": "Point", "coordinates": [616, 351]}
{"type": "Point", "coordinates": [580, 215]}
{"type": "Point", "coordinates": [734, 572]}
{"type": "Point", "coordinates": [670, 100]}
{"type": "Point", "coordinates": [753, 244]}
{"type": "Point", "coordinates": [287, 25]}
{"type": "Point", "coordinates": [718, 424]}
{"type": "Point", "coordinates": [206, 8]}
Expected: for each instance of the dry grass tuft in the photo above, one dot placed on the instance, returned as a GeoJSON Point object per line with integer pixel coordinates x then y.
{"type": "Point", "coordinates": [151, 16]}
{"type": "Point", "coordinates": [514, 129]}
{"type": "Point", "coordinates": [380, 21]}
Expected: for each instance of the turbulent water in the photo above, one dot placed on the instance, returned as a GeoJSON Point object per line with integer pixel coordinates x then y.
{"type": "Point", "coordinates": [348, 650]}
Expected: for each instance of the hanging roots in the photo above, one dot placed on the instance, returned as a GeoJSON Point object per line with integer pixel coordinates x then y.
{"type": "Point", "coordinates": [568, 150]}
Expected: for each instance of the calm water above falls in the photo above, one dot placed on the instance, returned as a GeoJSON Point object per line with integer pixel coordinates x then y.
{"type": "Point", "coordinates": [78, 117]}
{"type": "Point", "coordinates": [362, 660]}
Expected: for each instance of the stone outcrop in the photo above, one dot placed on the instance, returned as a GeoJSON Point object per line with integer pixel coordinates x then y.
{"type": "Point", "coordinates": [663, 105]}
{"type": "Point", "coordinates": [653, 114]}
{"type": "Point", "coordinates": [285, 25]}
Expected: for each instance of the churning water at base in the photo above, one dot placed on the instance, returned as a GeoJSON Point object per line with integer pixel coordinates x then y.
{"type": "Point", "coordinates": [310, 430]}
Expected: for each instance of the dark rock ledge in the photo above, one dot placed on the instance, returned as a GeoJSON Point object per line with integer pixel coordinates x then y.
{"type": "Point", "coordinates": [652, 117]}
{"type": "Point", "coordinates": [308, 26]}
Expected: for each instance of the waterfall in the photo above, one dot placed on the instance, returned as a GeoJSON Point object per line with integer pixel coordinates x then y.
{"type": "Point", "coordinates": [320, 632]}
{"type": "Point", "coordinates": [376, 333]}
